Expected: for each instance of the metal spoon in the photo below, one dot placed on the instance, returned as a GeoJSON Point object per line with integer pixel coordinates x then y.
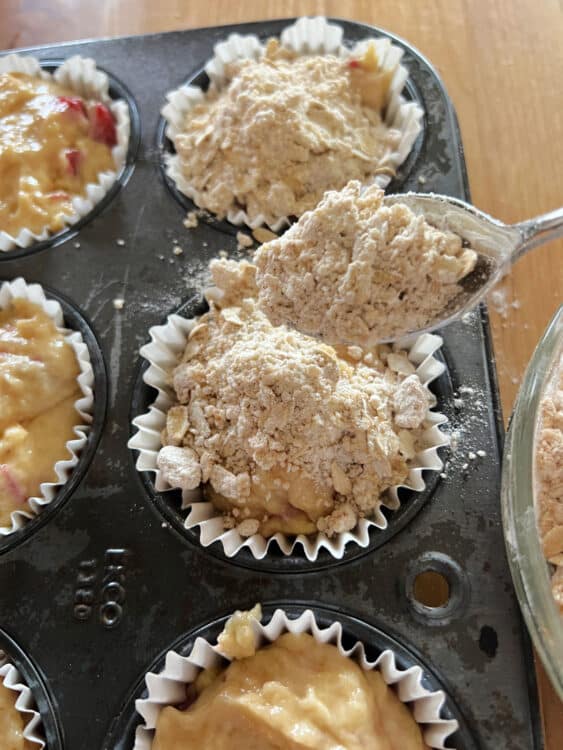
{"type": "Point", "coordinates": [498, 245]}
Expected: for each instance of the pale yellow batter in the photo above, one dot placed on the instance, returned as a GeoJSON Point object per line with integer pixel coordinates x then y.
{"type": "Point", "coordinates": [295, 694]}
{"type": "Point", "coordinates": [11, 722]}
{"type": "Point", "coordinates": [38, 389]}
{"type": "Point", "coordinates": [52, 144]}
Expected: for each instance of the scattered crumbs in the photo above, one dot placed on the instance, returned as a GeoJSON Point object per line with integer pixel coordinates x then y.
{"type": "Point", "coordinates": [443, 475]}
{"type": "Point", "coordinates": [422, 179]}
{"type": "Point", "coordinates": [192, 220]}
{"type": "Point", "coordinates": [244, 241]}
{"type": "Point", "coordinates": [171, 261]}
{"type": "Point", "coordinates": [458, 403]}
{"type": "Point", "coordinates": [77, 245]}
{"type": "Point", "coordinates": [160, 257]}
{"type": "Point", "coordinates": [164, 525]}
{"type": "Point", "coordinates": [481, 453]}
{"type": "Point", "coordinates": [223, 254]}
{"type": "Point", "coordinates": [120, 242]}
{"type": "Point", "coordinates": [501, 304]}
{"type": "Point", "coordinates": [471, 456]}
{"type": "Point", "coordinates": [177, 250]}
{"type": "Point", "coordinates": [119, 303]}
{"type": "Point", "coordinates": [464, 467]}
{"type": "Point", "coordinates": [261, 234]}
{"type": "Point", "coordinates": [467, 389]}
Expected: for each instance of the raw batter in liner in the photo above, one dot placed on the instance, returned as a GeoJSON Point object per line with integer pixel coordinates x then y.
{"type": "Point", "coordinates": [38, 390]}
{"type": "Point", "coordinates": [295, 694]}
{"type": "Point", "coordinates": [52, 144]}
{"type": "Point", "coordinates": [11, 722]}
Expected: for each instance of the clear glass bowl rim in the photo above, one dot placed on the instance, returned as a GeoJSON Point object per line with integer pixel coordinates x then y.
{"type": "Point", "coordinates": [528, 566]}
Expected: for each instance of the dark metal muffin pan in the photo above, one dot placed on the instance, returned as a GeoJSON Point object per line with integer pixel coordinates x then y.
{"type": "Point", "coordinates": [99, 591]}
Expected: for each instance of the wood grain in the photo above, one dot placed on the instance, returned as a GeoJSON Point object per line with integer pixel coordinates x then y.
{"type": "Point", "coordinates": [502, 63]}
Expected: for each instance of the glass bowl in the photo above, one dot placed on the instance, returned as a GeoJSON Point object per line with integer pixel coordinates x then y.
{"type": "Point", "coordinates": [530, 571]}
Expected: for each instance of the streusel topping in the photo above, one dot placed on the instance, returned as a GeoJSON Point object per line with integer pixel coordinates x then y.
{"type": "Point", "coordinates": [286, 129]}
{"type": "Point", "coordinates": [549, 477]}
{"type": "Point", "coordinates": [355, 270]}
{"type": "Point", "coordinates": [287, 433]}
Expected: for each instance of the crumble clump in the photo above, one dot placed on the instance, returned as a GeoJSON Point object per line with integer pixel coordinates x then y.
{"type": "Point", "coordinates": [285, 129]}
{"type": "Point", "coordinates": [549, 480]}
{"type": "Point", "coordinates": [355, 270]}
{"type": "Point", "coordinates": [287, 433]}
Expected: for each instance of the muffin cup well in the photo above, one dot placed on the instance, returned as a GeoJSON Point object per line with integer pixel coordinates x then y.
{"type": "Point", "coordinates": [306, 36]}
{"type": "Point", "coordinates": [168, 686]}
{"type": "Point", "coordinates": [164, 351]}
{"type": "Point", "coordinates": [84, 405]}
{"type": "Point", "coordinates": [23, 702]}
{"type": "Point", "coordinates": [81, 76]}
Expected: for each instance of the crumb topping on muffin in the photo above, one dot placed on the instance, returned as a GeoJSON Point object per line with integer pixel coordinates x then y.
{"type": "Point", "coordinates": [288, 434]}
{"type": "Point", "coordinates": [286, 129]}
{"type": "Point", "coordinates": [355, 270]}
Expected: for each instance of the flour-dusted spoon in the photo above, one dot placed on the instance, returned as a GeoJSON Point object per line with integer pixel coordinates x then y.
{"type": "Point", "coordinates": [498, 245]}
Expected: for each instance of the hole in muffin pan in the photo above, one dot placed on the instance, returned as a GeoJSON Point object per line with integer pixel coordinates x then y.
{"type": "Point", "coordinates": [431, 589]}
{"type": "Point", "coordinates": [74, 320]}
{"type": "Point", "coordinates": [117, 90]}
{"type": "Point", "coordinates": [36, 682]}
{"type": "Point", "coordinates": [121, 734]}
{"type": "Point", "coordinates": [201, 80]}
{"type": "Point", "coordinates": [167, 504]}
{"type": "Point", "coordinates": [436, 588]}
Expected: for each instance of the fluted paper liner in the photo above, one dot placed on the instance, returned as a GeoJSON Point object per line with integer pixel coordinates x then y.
{"type": "Point", "coordinates": [84, 405]}
{"type": "Point", "coordinates": [168, 686]}
{"type": "Point", "coordinates": [305, 36]}
{"type": "Point", "coordinates": [164, 352]}
{"type": "Point", "coordinates": [81, 76]}
{"type": "Point", "coordinates": [23, 701]}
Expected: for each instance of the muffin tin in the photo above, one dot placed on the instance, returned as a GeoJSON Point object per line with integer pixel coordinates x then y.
{"type": "Point", "coordinates": [107, 581]}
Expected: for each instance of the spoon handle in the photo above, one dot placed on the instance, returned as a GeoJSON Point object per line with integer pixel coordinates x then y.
{"type": "Point", "coordinates": [536, 231]}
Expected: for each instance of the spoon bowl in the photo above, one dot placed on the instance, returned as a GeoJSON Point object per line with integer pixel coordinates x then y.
{"type": "Point", "coordinates": [498, 245]}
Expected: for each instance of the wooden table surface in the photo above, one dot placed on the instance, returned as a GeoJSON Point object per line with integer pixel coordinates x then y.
{"type": "Point", "coordinates": [502, 63]}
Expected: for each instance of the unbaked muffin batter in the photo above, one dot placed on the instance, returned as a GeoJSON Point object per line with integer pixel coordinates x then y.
{"type": "Point", "coordinates": [295, 694]}
{"type": "Point", "coordinates": [52, 144]}
{"type": "Point", "coordinates": [38, 389]}
{"type": "Point", "coordinates": [11, 722]}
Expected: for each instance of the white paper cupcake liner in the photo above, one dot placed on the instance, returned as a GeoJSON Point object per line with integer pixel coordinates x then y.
{"type": "Point", "coordinates": [305, 36]}
{"type": "Point", "coordinates": [23, 701]}
{"type": "Point", "coordinates": [168, 686]}
{"type": "Point", "coordinates": [84, 405]}
{"type": "Point", "coordinates": [164, 352]}
{"type": "Point", "coordinates": [80, 75]}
